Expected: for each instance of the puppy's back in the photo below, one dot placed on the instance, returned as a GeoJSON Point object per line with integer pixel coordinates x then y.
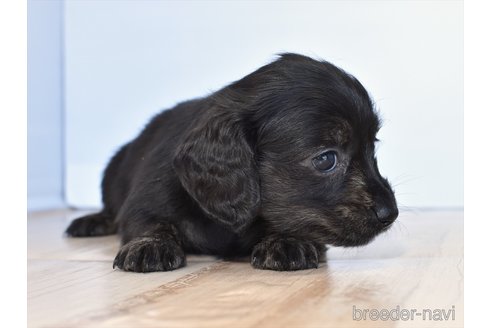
{"type": "Point", "coordinates": [160, 138]}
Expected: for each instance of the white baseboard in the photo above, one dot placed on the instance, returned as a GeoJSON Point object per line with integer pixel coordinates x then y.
{"type": "Point", "coordinates": [41, 203]}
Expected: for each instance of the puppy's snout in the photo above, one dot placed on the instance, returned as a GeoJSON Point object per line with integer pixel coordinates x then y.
{"type": "Point", "coordinates": [386, 215]}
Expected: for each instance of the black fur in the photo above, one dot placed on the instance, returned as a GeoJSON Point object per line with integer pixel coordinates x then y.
{"type": "Point", "coordinates": [231, 174]}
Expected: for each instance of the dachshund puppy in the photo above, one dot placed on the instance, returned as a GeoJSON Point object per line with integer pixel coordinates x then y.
{"type": "Point", "coordinates": [275, 165]}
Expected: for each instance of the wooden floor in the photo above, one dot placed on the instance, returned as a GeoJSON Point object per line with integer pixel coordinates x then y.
{"type": "Point", "coordinates": [416, 266]}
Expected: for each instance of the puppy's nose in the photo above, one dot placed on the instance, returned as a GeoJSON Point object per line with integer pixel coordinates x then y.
{"type": "Point", "coordinates": [386, 215]}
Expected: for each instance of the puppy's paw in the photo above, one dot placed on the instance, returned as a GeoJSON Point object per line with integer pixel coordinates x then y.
{"type": "Point", "coordinates": [286, 254]}
{"type": "Point", "coordinates": [91, 226]}
{"type": "Point", "coordinates": [148, 254]}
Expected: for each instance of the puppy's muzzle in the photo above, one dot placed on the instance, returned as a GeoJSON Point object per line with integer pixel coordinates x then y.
{"type": "Point", "coordinates": [386, 215]}
{"type": "Point", "coordinates": [384, 208]}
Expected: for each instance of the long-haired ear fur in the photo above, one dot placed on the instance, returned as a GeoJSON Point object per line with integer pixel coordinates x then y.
{"type": "Point", "coordinates": [216, 166]}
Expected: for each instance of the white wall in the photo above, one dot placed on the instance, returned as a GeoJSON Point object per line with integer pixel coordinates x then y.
{"type": "Point", "coordinates": [44, 104]}
{"type": "Point", "coordinates": [127, 60]}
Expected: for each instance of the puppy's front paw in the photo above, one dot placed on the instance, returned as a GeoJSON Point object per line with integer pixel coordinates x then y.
{"type": "Point", "coordinates": [148, 254]}
{"type": "Point", "coordinates": [285, 254]}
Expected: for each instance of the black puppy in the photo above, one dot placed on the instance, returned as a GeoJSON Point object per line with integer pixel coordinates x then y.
{"type": "Point", "coordinates": [275, 165]}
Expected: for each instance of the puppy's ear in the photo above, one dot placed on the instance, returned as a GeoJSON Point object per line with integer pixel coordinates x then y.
{"type": "Point", "coordinates": [216, 166]}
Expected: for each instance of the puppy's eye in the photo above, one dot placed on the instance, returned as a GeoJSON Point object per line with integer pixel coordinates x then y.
{"type": "Point", "coordinates": [326, 161]}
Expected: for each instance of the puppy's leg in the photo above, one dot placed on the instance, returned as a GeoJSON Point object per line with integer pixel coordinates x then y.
{"type": "Point", "coordinates": [103, 223]}
{"type": "Point", "coordinates": [158, 248]}
{"type": "Point", "coordinates": [98, 224]}
{"type": "Point", "coordinates": [286, 254]}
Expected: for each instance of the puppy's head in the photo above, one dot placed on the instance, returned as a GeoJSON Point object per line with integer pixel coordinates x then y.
{"type": "Point", "coordinates": [294, 144]}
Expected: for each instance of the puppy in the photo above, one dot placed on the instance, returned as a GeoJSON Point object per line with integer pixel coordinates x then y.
{"type": "Point", "coordinates": [275, 165]}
